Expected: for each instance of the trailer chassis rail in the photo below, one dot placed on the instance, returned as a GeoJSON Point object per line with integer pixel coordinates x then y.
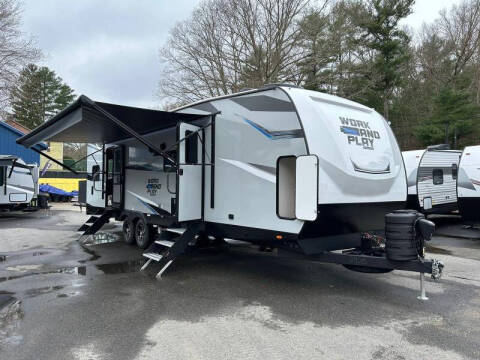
{"type": "Point", "coordinates": [350, 258]}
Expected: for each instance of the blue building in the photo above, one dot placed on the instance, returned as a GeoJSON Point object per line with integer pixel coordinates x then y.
{"type": "Point", "coordinates": [8, 145]}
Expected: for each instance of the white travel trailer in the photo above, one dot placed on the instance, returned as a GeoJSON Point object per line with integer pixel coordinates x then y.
{"type": "Point", "coordinates": [18, 183]}
{"type": "Point", "coordinates": [432, 179]}
{"type": "Point", "coordinates": [469, 184]}
{"type": "Point", "coordinates": [278, 166]}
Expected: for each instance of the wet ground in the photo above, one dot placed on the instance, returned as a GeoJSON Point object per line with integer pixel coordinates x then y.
{"type": "Point", "coordinates": [61, 299]}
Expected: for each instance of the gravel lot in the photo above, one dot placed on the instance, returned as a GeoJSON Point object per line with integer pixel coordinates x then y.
{"type": "Point", "coordinates": [62, 300]}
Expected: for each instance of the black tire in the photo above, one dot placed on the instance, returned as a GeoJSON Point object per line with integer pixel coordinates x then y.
{"type": "Point", "coordinates": [143, 234]}
{"type": "Point", "coordinates": [129, 231]}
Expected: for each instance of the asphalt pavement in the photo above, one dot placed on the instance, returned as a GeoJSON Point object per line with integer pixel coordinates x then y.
{"type": "Point", "coordinates": [61, 299]}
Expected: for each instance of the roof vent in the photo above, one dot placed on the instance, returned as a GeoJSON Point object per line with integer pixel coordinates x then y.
{"type": "Point", "coordinates": [281, 84]}
{"type": "Point", "coordinates": [439, 147]}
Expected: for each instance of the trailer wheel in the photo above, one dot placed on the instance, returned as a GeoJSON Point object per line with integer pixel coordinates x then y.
{"type": "Point", "coordinates": [129, 231]}
{"type": "Point", "coordinates": [143, 234]}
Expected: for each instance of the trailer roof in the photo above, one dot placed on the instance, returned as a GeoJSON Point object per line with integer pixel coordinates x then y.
{"type": "Point", "coordinates": [88, 121]}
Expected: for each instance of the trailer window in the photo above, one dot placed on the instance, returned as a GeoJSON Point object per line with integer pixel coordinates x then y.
{"type": "Point", "coordinates": [2, 175]}
{"type": "Point", "coordinates": [437, 177]}
{"type": "Point", "coordinates": [95, 172]}
{"type": "Point", "coordinates": [191, 148]}
{"type": "Point", "coordinates": [454, 171]}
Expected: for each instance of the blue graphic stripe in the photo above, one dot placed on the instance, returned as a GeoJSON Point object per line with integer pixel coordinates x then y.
{"type": "Point", "coordinates": [349, 130]}
{"type": "Point", "coordinates": [278, 134]}
{"type": "Point", "coordinates": [259, 128]}
{"type": "Point", "coordinates": [148, 205]}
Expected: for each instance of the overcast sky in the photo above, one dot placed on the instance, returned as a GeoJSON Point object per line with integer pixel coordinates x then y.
{"type": "Point", "coordinates": [109, 49]}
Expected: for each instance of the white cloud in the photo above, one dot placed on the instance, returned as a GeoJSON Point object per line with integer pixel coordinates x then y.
{"type": "Point", "coordinates": [106, 50]}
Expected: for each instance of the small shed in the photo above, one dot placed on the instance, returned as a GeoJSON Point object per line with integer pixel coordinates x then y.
{"type": "Point", "coordinates": [8, 145]}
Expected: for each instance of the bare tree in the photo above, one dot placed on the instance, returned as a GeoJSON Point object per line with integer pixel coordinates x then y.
{"type": "Point", "coordinates": [15, 50]}
{"type": "Point", "coordinates": [460, 27]}
{"type": "Point", "coordinates": [227, 45]}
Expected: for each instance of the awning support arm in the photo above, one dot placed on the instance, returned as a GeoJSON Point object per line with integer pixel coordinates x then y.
{"type": "Point", "coordinates": [84, 157]}
{"type": "Point", "coordinates": [54, 160]}
{"type": "Point", "coordinates": [132, 132]}
{"type": "Point", "coordinates": [11, 169]}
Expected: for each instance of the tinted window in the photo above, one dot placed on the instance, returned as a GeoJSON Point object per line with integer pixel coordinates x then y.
{"type": "Point", "coordinates": [454, 171]}
{"type": "Point", "coordinates": [191, 148]}
{"type": "Point", "coordinates": [2, 175]}
{"type": "Point", "coordinates": [96, 172]}
{"type": "Point", "coordinates": [437, 177]}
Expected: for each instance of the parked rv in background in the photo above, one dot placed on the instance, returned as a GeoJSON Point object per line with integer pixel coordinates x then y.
{"type": "Point", "coordinates": [469, 184]}
{"type": "Point", "coordinates": [432, 179]}
{"type": "Point", "coordinates": [18, 183]}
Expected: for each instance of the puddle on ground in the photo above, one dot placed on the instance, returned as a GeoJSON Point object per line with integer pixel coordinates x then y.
{"type": "Point", "coordinates": [437, 250]}
{"type": "Point", "coordinates": [94, 256]}
{"type": "Point", "coordinates": [101, 238]}
{"type": "Point", "coordinates": [123, 267]}
{"type": "Point", "coordinates": [77, 270]}
{"type": "Point", "coordinates": [114, 268]}
{"type": "Point", "coordinates": [24, 268]}
{"type": "Point", "coordinates": [43, 290]}
{"type": "Point", "coordinates": [6, 298]}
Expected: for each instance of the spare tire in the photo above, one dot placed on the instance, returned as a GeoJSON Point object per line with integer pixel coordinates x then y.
{"type": "Point", "coordinates": [402, 242]}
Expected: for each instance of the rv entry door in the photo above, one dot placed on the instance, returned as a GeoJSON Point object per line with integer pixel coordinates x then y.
{"type": "Point", "coordinates": [114, 179]}
{"type": "Point", "coordinates": [190, 172]}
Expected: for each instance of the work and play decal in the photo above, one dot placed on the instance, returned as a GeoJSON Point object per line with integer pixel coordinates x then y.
{"type": "Point", "coordinates": [359, 132]}
{"type": "Point", "coordinates": [153, 186]}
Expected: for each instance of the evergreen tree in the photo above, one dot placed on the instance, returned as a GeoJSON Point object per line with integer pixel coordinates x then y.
{"type": "Point", "coordinates": [454, 116]}
{"type": "Point", "coordinates": [382, 34]}
{"type": "Point", "coordinates": [38, 95]}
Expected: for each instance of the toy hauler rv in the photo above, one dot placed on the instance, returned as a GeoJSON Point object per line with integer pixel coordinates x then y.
{"type": "Point", "coordinates": [432, 179]}
{"type": "Point", "coordinates": [18, 183]}
{"type": "Point", "coordinates": [468, 184]}
{"type": "Point", "coordinates": [278, 166]}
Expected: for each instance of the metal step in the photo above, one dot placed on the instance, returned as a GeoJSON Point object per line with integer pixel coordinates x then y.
{"type": "Point", "coordinates": [165, 251]}
{"type": "Point", "coordinates": [176, 230]}
{"type": "Point", "coordinates": [166, 243]}
{"type": "Point", "coordinates": [92, 219]}
{"type": "Point", "coordinates": [83, 227]}
{"type": "Point", "coordinates": [153, 256]}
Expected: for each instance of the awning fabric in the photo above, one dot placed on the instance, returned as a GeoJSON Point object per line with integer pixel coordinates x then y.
{"type": "Point", "coordinates": [87, 121]}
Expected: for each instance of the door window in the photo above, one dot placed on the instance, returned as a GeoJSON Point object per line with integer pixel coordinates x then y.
{"type": "Point", "coordinates": [95, 176]}
{"type": "Point", "coordinates": [437, 177]}
{"type": "Point", "coordinates": [117, 166]}
{"type": "Point", "coordinates": [191, 147]}
{"type": "Point", "coordinates": [454, 171]}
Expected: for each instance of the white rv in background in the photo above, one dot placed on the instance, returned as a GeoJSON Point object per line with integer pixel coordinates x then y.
{"type": "Point", "coordinates": [18, 183]}
{"type": "Point", "coordinates": [432, 179]}
{"type": "Point", "coordinates": [468, 184]}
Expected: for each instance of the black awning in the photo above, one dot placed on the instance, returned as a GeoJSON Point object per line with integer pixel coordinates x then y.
{"type": "Point", "coordinates": [87, 121]}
